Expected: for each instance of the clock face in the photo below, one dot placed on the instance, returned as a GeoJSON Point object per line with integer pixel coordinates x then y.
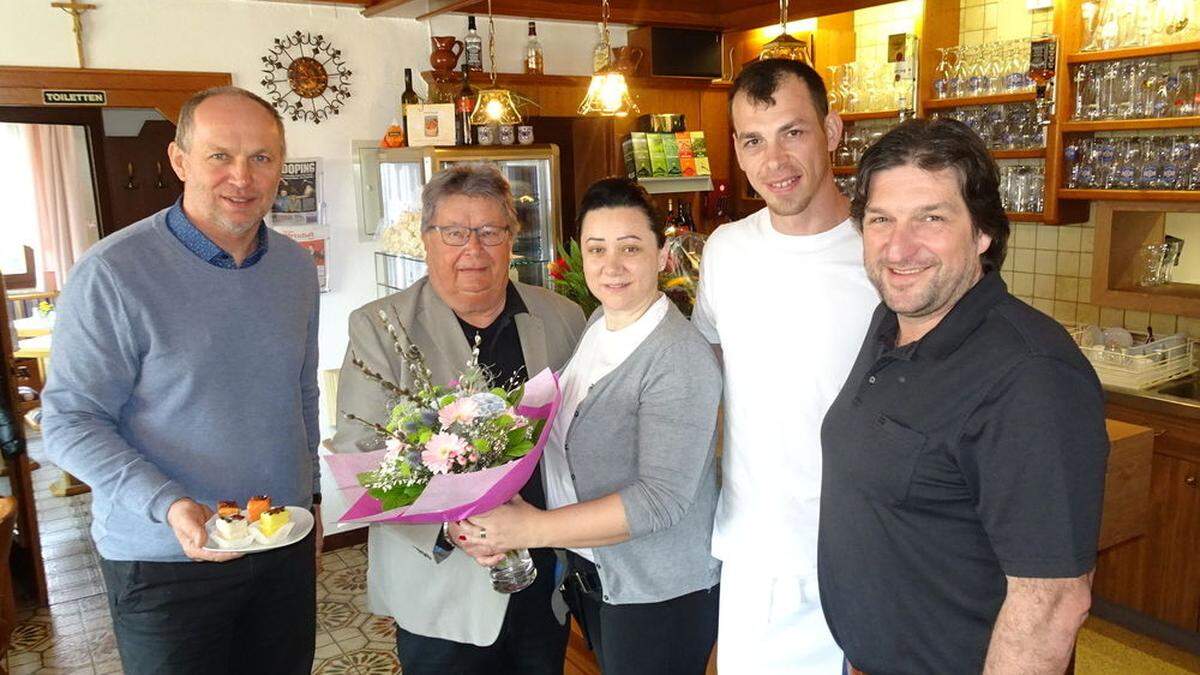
{"type": "Point", "coordinates": [305, 77]}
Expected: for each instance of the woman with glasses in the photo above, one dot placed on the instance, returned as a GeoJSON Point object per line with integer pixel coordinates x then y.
{"type": "Point", "coordinates": [630, 475]}
{"type": "Point", "coordinates": [448, 618]}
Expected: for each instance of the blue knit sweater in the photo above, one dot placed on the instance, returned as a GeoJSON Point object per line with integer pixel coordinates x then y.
{"type": "Point", "coordinates": [170, 377]}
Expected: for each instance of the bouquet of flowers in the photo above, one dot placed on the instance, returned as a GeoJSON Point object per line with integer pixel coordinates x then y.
{"type": "Point", "coordinates": [433, 429]}
{"type": "Point", "coordinates": [450, 451]}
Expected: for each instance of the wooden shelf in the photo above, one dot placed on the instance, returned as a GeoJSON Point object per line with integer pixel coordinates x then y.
{"type": "Point", "coordinates": [665, 185]}
{"type": "Point", "coordinates": [1026, 217]}
{"type": "Point", "coordinates": [1131, 195]}
{"type": "Point", "coordinates": [875, 115]}
{"type": "Point", "coordinates": [1032, 153]}
{"type": "Point", "coordinates": [845, 170]}
{"type": "Point", "coordinates": [944, 103]}
{"type": "Point", "coordinates": [1130, 125]}
{"type": "Point", "coordinates": [1134, 52]}
{"type": "Point", "coordinates": [515, 80]}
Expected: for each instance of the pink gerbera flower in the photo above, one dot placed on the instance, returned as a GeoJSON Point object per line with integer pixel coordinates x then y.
{"type": "Point", "coordinates": [441, 451]}
{"type": "Point", "coordinates": [463, 410]}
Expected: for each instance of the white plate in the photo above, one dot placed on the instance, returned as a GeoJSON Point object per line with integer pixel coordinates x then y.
{"type": "Point", "coordinates": [302, 524]}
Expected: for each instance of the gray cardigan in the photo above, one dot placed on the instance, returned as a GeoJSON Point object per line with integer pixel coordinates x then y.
{"type": "Point", "coordinates": [647, 431]}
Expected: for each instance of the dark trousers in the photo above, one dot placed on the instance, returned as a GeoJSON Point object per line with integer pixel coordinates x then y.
{"type": "Point", "coordinates": [672, 637]}
{"type": "Point", "coordinates": [531, 640]}
{"type": "Point", "coordinates": [255, 614]}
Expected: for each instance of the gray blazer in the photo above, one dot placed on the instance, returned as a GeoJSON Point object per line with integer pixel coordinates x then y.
{"type": "Point", "coordinates": [453, 599]}
{"type": "Point", "coordinates": [647, 431]}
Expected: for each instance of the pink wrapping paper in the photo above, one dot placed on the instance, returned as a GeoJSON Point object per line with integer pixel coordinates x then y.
{"type": "Point", "coordinates": [451, 496]}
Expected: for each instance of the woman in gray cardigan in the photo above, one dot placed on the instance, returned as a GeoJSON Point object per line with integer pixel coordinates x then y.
{"type": "Point", "coordinates": [630, 471]}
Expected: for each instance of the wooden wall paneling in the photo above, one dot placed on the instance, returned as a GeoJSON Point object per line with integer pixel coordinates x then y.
{"type": "Point", "coordinates": [165, 91]}
{"type": "Point", "coordinates": [144, 152]}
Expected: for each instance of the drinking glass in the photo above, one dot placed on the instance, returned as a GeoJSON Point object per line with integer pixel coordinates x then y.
{"type": "Point", "coordinates": [942, 74]}
{"type": "Point", "coordinates": [831, 89]}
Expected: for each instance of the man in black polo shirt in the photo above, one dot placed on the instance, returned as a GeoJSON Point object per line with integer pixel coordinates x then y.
{"type": "Point", "coordinates": [965, 456]}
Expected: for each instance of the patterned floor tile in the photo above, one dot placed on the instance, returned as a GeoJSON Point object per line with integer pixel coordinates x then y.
{"type": "Point", "coordinates": [380, 628]}
{"type": "Point", "coordinates": [369, 662]}
{"type": "Point", "coordinates": [349, 639]}
{"type": "Point", "coordinates": [333, 615]}
{"type": "Point", "coordinates": [349, 580]}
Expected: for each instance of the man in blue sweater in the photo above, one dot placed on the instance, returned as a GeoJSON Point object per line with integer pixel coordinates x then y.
{"type": "Point", "coordinates": [184, 373]}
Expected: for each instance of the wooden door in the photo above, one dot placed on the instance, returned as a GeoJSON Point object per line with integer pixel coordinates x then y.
{"type": "Point", "coordinates": [1159, 574]}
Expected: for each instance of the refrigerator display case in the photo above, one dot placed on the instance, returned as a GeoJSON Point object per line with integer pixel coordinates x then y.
{"type": "Point", "coordinates": [388, 183]}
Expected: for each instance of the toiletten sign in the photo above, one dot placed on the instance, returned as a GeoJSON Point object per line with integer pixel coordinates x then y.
{"type": "Point", "coordinates": [74, 97]}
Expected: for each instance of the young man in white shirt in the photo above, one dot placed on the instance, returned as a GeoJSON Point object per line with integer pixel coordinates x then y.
{"type": "Point", "coordinates": [784, 298]}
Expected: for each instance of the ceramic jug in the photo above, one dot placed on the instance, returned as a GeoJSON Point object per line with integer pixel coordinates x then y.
{"type": "Point", "coordinates": [446, 50]}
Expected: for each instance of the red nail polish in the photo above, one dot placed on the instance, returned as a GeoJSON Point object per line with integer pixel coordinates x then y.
{"type": "Point", "coordinates": [462, 537]}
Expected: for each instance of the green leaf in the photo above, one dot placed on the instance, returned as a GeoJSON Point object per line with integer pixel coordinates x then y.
{"type": "Point", "coordinates": [499, 391]}
{"type": "Point", "coordinates": [504, 421]}
{"type": "Point", "coordinates": [365, 478]}
{"type": "Point", "coordinates": [536, 429]}
{"type": "Point", "coordinates": [515, 397]}
{"type": "Point", "coordinates": [517, 436]}
{"type": "Point", "coordinates": [423, 435]}
{"type": "Point", "coordinates": [481, 445]}
{"type": "Point", "coordinates": [519, 450]}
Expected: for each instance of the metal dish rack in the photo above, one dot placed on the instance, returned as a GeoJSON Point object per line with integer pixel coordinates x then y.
{"type": "Point", "coordinates": [1146, 364]}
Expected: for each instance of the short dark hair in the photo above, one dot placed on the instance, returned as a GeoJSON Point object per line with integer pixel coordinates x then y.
{"type": "Point", "coordinates": [760, 80]}
{"type": "Point", "coordinates": [187, 114]}
{"type": "Point", "coordinates": [613, 193]}
{"type": "Point", "coordinates": [933, 145]}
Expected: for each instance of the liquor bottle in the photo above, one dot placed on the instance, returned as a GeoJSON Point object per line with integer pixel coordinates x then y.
{"type": "Point", "coordinates": [473, 47]}
{"type": "Point", "coordinates": [684, 222]}
{"type": "Point", "coordinates": [534, 63]}
{"type": "Point", "coordinates": [409, 97]}
{"type": "Point", "coordinates": [602, 52]}
{"type": "Point", "coordinates": [464, 104]}
{"type": "Point", "coordinates": [671, 224]}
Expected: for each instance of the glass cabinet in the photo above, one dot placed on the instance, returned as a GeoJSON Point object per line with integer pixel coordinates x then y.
{"type": "Point", "coordinates": [388, 183]}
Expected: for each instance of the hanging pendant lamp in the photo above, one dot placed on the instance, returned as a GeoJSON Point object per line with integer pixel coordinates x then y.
{"type": "Point", "coordinates": [495, 104]}
{"type": "Point", "coordinates": [608, 92]}
{"type": "Point", "coordinates": [785, 46]}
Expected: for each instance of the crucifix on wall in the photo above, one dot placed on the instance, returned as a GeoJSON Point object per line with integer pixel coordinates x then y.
{"type": "Point", "coordinates": [76, 10]}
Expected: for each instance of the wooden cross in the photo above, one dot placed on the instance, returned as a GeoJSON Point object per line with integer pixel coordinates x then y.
{"type": "Point", "coordinates": [76, 10]}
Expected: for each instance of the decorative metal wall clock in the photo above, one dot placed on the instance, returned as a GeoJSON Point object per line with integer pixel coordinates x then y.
{"type": "Point", "coordinates": [312, 71]}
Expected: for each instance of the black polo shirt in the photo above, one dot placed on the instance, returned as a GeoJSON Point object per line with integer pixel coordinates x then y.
{"type": "Point", "coordinates": [975, 453]}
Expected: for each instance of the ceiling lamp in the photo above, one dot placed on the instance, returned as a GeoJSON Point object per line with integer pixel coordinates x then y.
{"type": "Point", "coordinates": [495, 104]}
{"type": "Point", "coordinates": [608, 93]}
{"type": "Point", "coordinates": [785, 46]}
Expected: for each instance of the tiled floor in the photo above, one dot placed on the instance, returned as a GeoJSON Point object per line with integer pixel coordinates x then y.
{"type": "Point", "coordinates": [74, 634]}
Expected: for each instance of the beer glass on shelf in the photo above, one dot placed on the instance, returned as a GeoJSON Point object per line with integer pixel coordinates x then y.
{"type": "Point", "coordinates": [832, 90]}
{"type": "Point", "coordinates": [942, 74]}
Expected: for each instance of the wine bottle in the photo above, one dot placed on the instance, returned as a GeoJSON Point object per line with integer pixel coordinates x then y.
{"type": "Point", "coordinates": [671, 224]}
{"type": "Point", "coordinates": [408, 97]}
{"type": "Point", "coordinates": [684, 222]}
{"type": "Point", "coordinates": [464, 105]}
{"type": "Point", "coordinates": [473, 46]}
{"type": "Point", "coordinates": [534, 62]}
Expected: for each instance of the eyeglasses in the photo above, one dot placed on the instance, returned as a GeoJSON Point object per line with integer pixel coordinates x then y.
{"type": "Point", "coordinates": [455, 235]}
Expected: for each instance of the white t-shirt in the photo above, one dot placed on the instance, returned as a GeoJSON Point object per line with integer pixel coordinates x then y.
{"type": "Point", "coordinates": [790, 314]}
{"type": "Point", "coordinates": [599, 352]}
